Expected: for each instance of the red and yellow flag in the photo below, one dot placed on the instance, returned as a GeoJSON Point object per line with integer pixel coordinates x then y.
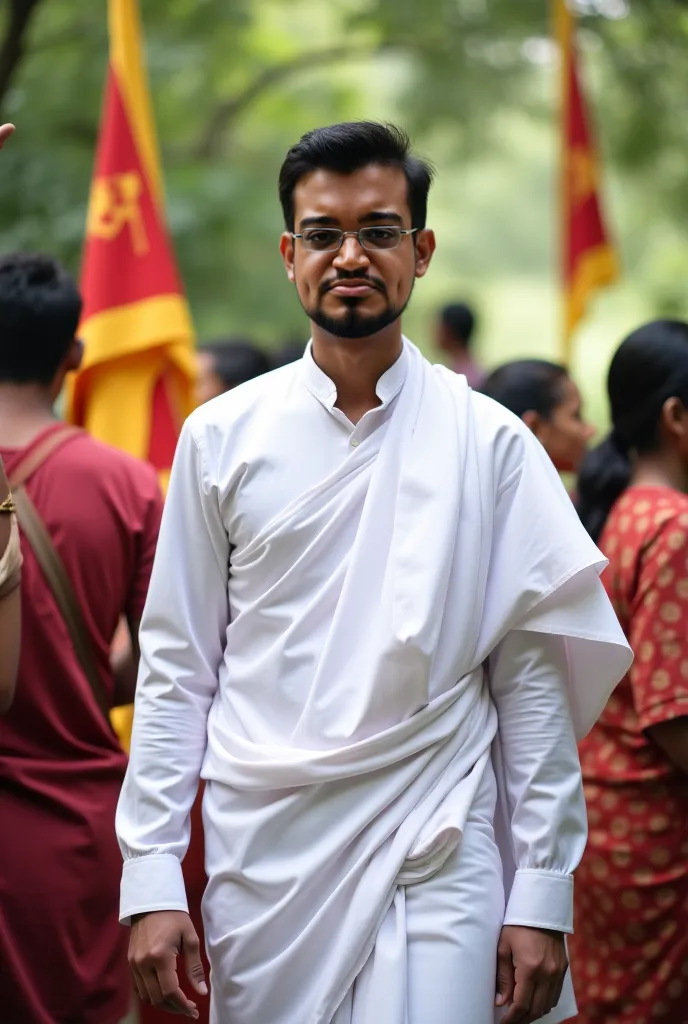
{"type": "Point", "coordinates": [588, 257]}
{"type": "Point", "coordinates": [136, 383]}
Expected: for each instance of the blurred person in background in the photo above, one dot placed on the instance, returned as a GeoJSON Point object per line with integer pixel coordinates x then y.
{"type": "Point", "coordinates": [313, 647]}
{"type": "Point", "coordinates": [89, 517]}
{"type": "Point", "coordinates": [289, 352]}
{"type": "Point", "coordinates": [224, 364]}
{"type": "Point", "coordinates": [455, 328]}
{"type": "Point", "coordinates": [548, 401]}
{"type": "Point", "coordinates": [629, 954]}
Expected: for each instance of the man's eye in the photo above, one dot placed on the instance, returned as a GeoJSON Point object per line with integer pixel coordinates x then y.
{"type": "Point", "coordinates": [321, 237]}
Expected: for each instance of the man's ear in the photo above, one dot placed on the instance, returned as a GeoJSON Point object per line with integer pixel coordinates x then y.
{"type": "Point", "coordinates": [287, 251]}
{"type": "Point", "coordinates": [425, 247]}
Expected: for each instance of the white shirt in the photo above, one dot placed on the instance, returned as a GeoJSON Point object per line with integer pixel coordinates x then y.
{"type": "Point", "coordinates": [270, 463]}
{"type": "Point", "coordinates": [256, 659]}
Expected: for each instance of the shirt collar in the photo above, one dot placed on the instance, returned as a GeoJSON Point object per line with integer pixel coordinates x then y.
{"type": "Point", "coordinates": [319, 384]}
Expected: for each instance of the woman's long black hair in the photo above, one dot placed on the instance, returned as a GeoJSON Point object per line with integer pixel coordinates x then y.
{"type": "Point", "coordinates": [649, 366]}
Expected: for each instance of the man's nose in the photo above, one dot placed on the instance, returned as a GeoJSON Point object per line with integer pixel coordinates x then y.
{"type": "Point", "coordinates": [352, 255]}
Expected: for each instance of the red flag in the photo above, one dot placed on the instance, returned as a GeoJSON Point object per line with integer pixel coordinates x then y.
{"type": "Point", "coordinates": [135, 386]}
{"type": "Point", "coordinates": [588, 257]}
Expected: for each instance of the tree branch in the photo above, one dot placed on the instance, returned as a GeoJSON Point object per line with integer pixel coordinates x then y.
{"type": "Point", "coordinates": [12, 48]}
{"type": "Point", "coordinates": [211, 137]}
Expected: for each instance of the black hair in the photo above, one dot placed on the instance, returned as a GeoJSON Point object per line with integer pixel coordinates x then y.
{"type": "Point", "coordinates": [236, 360]}
{"type": "Point", "coordinates": [459, 319]}
{"type": "Point", "coordinates": [40, 307]}
{"type": "Point", "coordinates": [527, 385]}
{"type": "Point", "coordinates": [348, 147]}
{"type": "Point", "coordinates": [650, 366]}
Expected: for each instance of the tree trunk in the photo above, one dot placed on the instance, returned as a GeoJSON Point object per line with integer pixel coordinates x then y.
{"type": "Point", "coordinates": [12, 48]}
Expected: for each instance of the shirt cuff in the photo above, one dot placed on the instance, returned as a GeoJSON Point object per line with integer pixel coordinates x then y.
{"type": "Point", "coordinates": [541, 899]}
{"type": "Point", "coordinates": [152, 882]}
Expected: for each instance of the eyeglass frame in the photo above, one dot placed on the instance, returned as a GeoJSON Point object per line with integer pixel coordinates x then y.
{"type": "Point", "coordinates": [367, 227]}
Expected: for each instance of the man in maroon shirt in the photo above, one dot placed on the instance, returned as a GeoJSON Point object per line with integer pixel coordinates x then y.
{"type": "Point", "coordinates": [62, 952]}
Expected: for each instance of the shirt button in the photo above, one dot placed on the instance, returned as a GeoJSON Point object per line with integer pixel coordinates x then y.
{"type": "Point", "coordinates": [354, 442]}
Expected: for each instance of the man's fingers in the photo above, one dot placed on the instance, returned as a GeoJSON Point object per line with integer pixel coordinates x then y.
{"type": "Point", "coordinates": [157, 939]}
{"type": "Point", "coordinates": [556, 990]}
{"type": "Point", "coordinates": [141, 989]}
{"type": "Point", "coordinates": [5, 131]}
{"type": "Point", "coordinates": [519, 1011]}
{"type": "Point", "coordinates": [541, 1003]}
{"type": "Point", "coordinates": [534, 996]}
{"type": "Point", "coordinates": [149, 979]}
{"type": "Point", "coordinates": [191, 951]}
{"type": "Point", "coordinates": [158, 975]}
{"type": "Point", "coordinates": [505, 976]}
{"type": "Point", "coordinates": [539, 967]}
{"type": "Point", "coordinates": [547, 991]}
{"type": "Point", "coordinates": [168, 1000]}
{"type": "Point", "coordinates": [173, 998]}
{"type": "Point", "coordinates": [558, 980]}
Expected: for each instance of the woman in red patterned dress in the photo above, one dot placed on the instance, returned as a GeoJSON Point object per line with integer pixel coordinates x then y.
{"type": "Point", "coordinates": [629, 955]}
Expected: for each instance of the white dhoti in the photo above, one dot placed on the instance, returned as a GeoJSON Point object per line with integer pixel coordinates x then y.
{"type": "Point", "coordinates": [434, 960]}
{"type": "Point", "coordinates": [352, 741]}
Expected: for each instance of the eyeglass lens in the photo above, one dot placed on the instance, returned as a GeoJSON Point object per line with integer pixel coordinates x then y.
{"type": "Point", "coordinates": [330, 239]}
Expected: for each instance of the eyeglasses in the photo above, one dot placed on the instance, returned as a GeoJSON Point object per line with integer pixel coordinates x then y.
{"type": "Point", "coordinates": [373, 239]}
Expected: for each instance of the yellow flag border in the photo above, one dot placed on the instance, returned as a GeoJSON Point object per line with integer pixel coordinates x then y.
{"type": "Point", "coordinates": [594, 269]}
{"type": "Point", "coordinates": [158, 321]}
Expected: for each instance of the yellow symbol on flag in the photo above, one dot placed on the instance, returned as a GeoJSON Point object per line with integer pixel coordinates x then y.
{"type": "Point", "coordinates": [582, 175]}
{"type": "Point", "coordinates": [115, 202]}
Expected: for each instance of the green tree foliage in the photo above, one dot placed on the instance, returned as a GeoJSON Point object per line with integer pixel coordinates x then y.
{"type": "Point", "coordinates": [236, 81]}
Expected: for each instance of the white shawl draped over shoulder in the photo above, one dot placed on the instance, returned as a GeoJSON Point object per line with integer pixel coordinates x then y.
{"type": "Point", "coordinates": [456, 531]}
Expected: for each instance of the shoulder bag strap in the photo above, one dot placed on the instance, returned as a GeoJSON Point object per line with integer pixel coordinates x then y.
{"type": "Point", "coordinates": [52, 566]}
{"type": "Point", "coordinates": [37, 456]}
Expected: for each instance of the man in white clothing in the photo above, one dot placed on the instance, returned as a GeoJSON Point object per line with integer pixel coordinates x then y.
{"type": "Point", "coordinates": [375, 629]}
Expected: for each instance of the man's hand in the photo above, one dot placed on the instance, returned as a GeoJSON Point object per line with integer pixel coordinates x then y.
{"type": "Point", "coordinates": [531, 967]}
{"type": "Point", "coordinates": [5, 131]}
{"type": "Point", "coordinates": [157, 939]}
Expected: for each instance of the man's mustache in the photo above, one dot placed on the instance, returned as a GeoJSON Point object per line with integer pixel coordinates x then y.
{"type": "Point", "coordinates": [374, 282]}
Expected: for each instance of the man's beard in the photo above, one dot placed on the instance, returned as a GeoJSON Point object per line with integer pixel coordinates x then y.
{"type": "Point", "coordinates": [355, 324]}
